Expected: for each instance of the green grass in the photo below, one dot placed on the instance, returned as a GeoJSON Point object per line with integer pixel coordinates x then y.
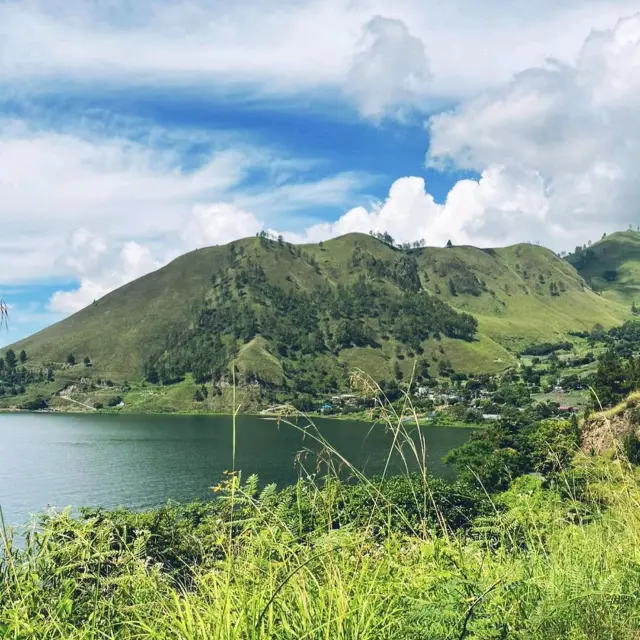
{"type": "Point", "coordinates": [256, 359]}
{"type": "Point", "coordinates": [630, 401]}
{"type": "Point", "coordinates": [618, 252]}
{"type": "Point", "coordinates": [569, 582]}
{"type": "Point", "coordinates": [578, 399]}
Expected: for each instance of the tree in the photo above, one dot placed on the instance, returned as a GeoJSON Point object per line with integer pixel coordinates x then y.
{"type": "Point", "coordinates": [10, 358]}
{"type": "Point", "coordinates": [598, 334]}
{"type": "Point", "coordinates": [383, 237]}
{"type": "Point", "coordinates": [449, 244]}
{"type": "Point", "coordinates": [23, 356]}
{"type": "Point", "coordinates": [87, 361]}
{"type": "Point", "coordinates": [613, 379]}
{"type": "Point", "coordinates": [71, 359]}
{"type": "Point", "coordinates": [634, 309]}
{"type": "Point", "coordinates": [151, 374]}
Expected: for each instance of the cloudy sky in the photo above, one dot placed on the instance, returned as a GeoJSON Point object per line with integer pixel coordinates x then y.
{"type": "Point", "coordinates": [132, 131]}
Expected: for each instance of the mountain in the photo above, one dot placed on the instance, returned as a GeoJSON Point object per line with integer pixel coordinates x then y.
{"type": "Point", "coordinates": [611, 266]}
{"type": "Point", "coordinates": [296, 320]}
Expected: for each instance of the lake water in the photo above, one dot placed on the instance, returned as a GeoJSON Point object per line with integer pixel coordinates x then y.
{"type": "Point", "coordinates": [143, 461]}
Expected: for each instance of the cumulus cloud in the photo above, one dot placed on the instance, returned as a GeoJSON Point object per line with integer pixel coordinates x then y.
{"type": "Point", "coordinates": [577, 126]}
{"type": "Point", "coordinates": [391, 71]}
{"type": "Point", "coordinates": [218, 223]}
{"type": "Point", "coordinates": [100, 268]}
{"type": "Point", "coordinates": [505, 205]}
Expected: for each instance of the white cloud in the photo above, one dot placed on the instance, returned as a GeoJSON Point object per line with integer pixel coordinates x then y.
{"type": "Point", "coordinates": [504, 206]}
{"type": "Point", "coordinates": [391, 72]}
{"type": "Point", "coordinates": [294, 48]}
{"type": "Point", "coordinates": [576, 126]}
{"type": "Point", "coordinates": [55, 182]}
{"type": "Point", "coordinates": [102, 266]}
{"type": "Point", "coordinates": [100, 270]}
{"type": "Point", "coordinates": [218, 223]}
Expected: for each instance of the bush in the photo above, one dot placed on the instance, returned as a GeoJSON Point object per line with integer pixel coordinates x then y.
{"type": "Point", "coordinates": [38, 404]}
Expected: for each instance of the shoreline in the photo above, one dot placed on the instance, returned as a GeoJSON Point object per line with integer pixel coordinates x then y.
{"type": "Point", "coordinates": [357, 417]}
{"type": "Point", "coordinates": [273, 417]}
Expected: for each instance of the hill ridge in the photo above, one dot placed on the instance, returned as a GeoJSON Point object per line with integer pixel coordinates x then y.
{"type": "Point", "coordinates": [318, 310]}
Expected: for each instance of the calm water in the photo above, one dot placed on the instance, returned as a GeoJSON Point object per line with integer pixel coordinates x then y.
{"type": "Point", "coordinates": [143, 461]}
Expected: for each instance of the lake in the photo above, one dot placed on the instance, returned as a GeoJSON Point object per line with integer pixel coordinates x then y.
{"type": "Point", "coordinates": [143, 461]}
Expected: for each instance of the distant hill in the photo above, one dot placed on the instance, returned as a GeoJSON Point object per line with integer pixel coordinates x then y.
{"type": "Point", "coordinates": [299, 318]}
{"type": "Point", "coordinates": [611, 266]}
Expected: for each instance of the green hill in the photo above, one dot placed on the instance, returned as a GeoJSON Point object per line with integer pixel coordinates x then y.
{"type": "Point", "coordinates": [611, 266]}
{"type": "Point", "coordinates": [296, 320]}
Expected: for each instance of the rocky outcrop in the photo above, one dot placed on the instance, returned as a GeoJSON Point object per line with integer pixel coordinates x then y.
{"type": "Point", "coordinates": [605, 432]}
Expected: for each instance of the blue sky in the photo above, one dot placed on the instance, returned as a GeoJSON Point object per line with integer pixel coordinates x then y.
{"type": "Point", "coordinates": [129, 137]}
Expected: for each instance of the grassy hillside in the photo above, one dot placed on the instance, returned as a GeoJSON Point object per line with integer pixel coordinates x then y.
{"type": "Point", "coordinates": [299, 318]}
{"type": "Point", "coordinates": [612, 266]}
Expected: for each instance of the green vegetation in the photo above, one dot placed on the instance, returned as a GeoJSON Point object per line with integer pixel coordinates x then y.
{"type": "Point", "coordinates": [534, 540]}
{"type": "Point", "coordinates": [295, 321]}
{"type": "Point", "coordinates": [612, 266]}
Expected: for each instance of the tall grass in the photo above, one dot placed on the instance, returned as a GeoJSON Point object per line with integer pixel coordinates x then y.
{"type": "Point", "coordinates": [543, 562]}
{"type": "Point", "coordinates": [4, 314]}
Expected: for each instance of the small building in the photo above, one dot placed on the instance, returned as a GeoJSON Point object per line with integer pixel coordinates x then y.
{"type": "Point", "coordinates": [490, 416]}
{"type": "Point", "coordinates": [567, 409]}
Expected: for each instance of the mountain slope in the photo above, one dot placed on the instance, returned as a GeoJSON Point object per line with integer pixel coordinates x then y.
{"type": "Point", "coordinates": [611, 266]}
{"type": "Point", "coordinates": [301, 317]}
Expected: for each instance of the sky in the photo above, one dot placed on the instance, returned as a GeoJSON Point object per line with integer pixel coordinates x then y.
{"type": "Point", "coordinates": [132, 132]}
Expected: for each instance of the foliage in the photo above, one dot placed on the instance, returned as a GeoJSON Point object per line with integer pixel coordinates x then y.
{"type": "Point", "coordinates": [542, 563]}
{"type": "Point", "coordinates": [300, 326]}
{"type": "Point", "coordinates": [15, 377]}
{"type": "Point", "coordinates": [518, 443]}
{"type": "Point", "coordinates": [546, 348]}
{"type": "Point", "coordinates": [615, 378]}
{"type": "Point", "coordinates": [631, 448]}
